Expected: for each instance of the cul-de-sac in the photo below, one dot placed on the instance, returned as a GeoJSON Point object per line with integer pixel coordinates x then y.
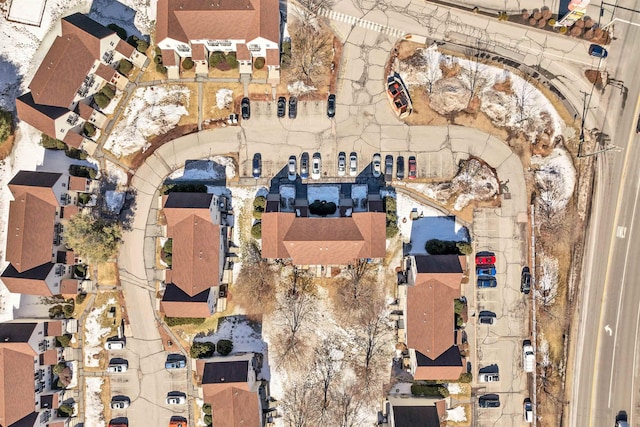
{"type": "Point", "coordinates": [319, 213]}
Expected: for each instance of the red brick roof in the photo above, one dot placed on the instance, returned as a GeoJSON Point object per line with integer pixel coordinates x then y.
{"type": "Point", "coordinates": [198, 52]}
{"type": "Point", "coordinates": [438, 373]}
{"type": "Point", "coordinates": [50, 357]}
{"type": "Point", "coordinates": [54, 328]}
{"type": "Point", "coordinates": [273, 57]}
{"type": "Point", "coordinates": [185, 309]}
{"type": "Point", "coordinates": [78, 183]}
{"type": "Point", "coordinates": [62, 72]}
{"type": "Point", "coordinates": [84, 110]}
{"type": "Point", "coordinates": [73, 139]}
{"type": "Point", "coordinates": [87, 30]}
{"type": "Point", "coordinates": [69, 286]}
{"type": "Point", "coordinates": [17, 389]}
{"type": "Point", "coordinates": [235, 407]}
{"type": "Point", "coordinates": [323, 241]}
{"type": "Point", "coordinates": [169, 58]}
{"type": "Point", "coordinates": [105, 72]}
{"type": "Point", "coordinates": [124, 48]}
{"type": "Point", "coordinates": [19, 285]}
{"type": "Point", "coordinates": [42, 117]}
{"type": "Point", "coordinates": [218, 20]}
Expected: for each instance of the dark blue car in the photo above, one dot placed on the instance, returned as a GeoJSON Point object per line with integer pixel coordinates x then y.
{"type": "Point", "coordinates": [487, 282]}
{"type": "Point", "coordinates": [598, 51]}
{"type": "Point", "coordinates": [486, 270]}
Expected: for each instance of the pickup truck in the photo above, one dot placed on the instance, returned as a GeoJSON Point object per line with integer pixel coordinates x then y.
{"type": "Point", "coordinates": [528, 356]}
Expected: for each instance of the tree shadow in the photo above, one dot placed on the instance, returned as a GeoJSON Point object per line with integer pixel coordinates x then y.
{"type": "Point", "coordinates": [10, 85]}
{"type": "Point", "coordinates": [113, 12]}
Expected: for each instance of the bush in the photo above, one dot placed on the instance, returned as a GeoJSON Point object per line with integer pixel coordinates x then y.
{"type": "Point", "coordinates": [459, 321]}
{"type": "Point", "coordinates": [121, 32]}
{"type": "Point", "coordinates": [63, 340]}
{"type": "Point", "coordinates": [108, 91]}
{"type": "Point", "coordinates": [223, 66]}
{"type": "Point", "coordinates": [392, 230]}
{"type": "Point", "coordinates": [84, 198]}
{"type": "Point", "coordinates": [88, 129]}
{"type": "Point", "coordinates": [206, 409]}
{"type": "Point", "coordinates": [389, 204]}
{"type": "Point", "coordinates": [224, 347]}
{"type": "Point", "coordinates": [260, 203]}
{"type": "Point", "coordinates": [51, 143]}
{"type": "Point", "coordinates": [83, 171]}
{"type": "Point", "coordinates": [6, 124]}
{"type": "Point", "coordinates": [392, 217]}
{"type": "Point", "coordinates": [201, 350]}
{"type": "Point", "coordinates": [216, 58]}
{"type": "Point", "coordinates": [101, 100]}
{"type": "Point", "coordinates": [285, 56]}
{"type": "Point", "coordinates": [56, 311]}
{"type": "Point", "coordinates": [168, 246]}
{"type": "Point", "coordinates": [80, 271]}
{"type": "Point", "coordinates": [322, 208]}
{"type": "Point", "coordinates": [231, 60]}
{"type": "Point", "coordinates": [441, 247]}
{"type": "Point", "coordinates": [257, 215]}
{"type": "Point", "coordinates": [176, 321]}
{"type": "Point", "coordinates": [125, 67]}
{"type": "Point", "coordinates": [465, 377]}
{"type": "Point", "coordinates": [458, 306]}
{"type": "Point", "coordinates": [429, 390]}
{"type": "Point", "coordinates": [256, 230]}
{"type": "Point", "coordinates": [65, 410]}
{"type": "Point", "coordinates": [207, 419]}
{"type": "Point", "coordinates": [74, 153]}
{"type": "Point", "coordinates": [157, 50]}
{"type": "Point", "coordinates": [157, 59]}
{"type": "Point", "coordinates": [133, 40]}
{"type": "Point", "coordinates": [183, 188]}
{"type": "Point", "coordinates": [464, 248]}
{"type": "Point", "coordinates": [259, 63]}
{"type": "Point", "coordinates": [187, 63]}
{"type": "Point", "coordinates": [58, 368]}
{"type": "Point", "coordinates": [68, 310]}
{"type": "Point", "coordinates": [142, 46]}
{"type": "Point", "coordinates": [80, 298]}
{"type": "Point", "coordinates": [161, 69]}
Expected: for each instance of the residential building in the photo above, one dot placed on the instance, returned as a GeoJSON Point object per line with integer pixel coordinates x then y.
{"type": "Point", "coordinates": [356, 231]}
{"type": "Point", "coordinates": [39, 263]}
{"type": "Point", "coordinates": [229, 385]}
{"type": "Point", "coordinates": [28, 396]}
{"type": "Point", "coordinates": [410, 411]}
{"type": "Point", "coordinates": [82, 59]}
{"type": "Point", "coordinates": [197, 227]}
{"type": "Point", "coordinates": [433, 283]}
{"type": "Point", "coordinates": [195, 29]}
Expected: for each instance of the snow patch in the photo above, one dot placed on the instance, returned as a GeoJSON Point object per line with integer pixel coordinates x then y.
{"type": "Point", "coordinates": [116, 173]}
{"type": "Point", "coordinates": [299, 88]}
{"type": "Point", "coordinates": [328, 193]}
{"type": "Point", "coordinates": [94, 333]}
{"type": "Point", "coordinates": [548, 279]}
{"type": "Point", "coordinates": [217, 167]}
{"type": "Point", "coordinates": [114, 200]}
{"type": "Point", "coordinates": [224, 97]}
{"type": "Point", "coordinates": [456, 414]}
{"type": "Point", "coordinates": [454, 388]}
{"type": "Point", "coordinates": [555, 177]}
{"type": "Point", "coordinates": [93, 411]}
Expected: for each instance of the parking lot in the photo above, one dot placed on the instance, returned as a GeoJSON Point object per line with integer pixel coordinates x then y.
{"type": "Point", "coordinates": [498, 346]}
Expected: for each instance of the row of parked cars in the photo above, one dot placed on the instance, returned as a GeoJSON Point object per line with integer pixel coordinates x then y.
{"type": "Point", "coordinates": [486, 272]}
{"type": "Point", "coordinates": [281, 110]}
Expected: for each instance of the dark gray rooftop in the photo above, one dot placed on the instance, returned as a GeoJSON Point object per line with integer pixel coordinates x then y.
{"type": "Point", "coordinates": [438, 264]}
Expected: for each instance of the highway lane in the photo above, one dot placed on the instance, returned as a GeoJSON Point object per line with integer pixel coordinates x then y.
{"type": "Point", "coordinates": [607, 340]}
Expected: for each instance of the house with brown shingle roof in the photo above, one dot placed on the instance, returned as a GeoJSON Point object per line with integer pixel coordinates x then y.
{"type": "Point", "coordinates": [34, 234]}
{"type": "Point", "coordinates": [291, 231]}
{"type": "Point", "coordinates": [27, 353]}
{"type": "Point", "coordinates": [229, 385]}
{"type": "Point", "coordinates": [81, 60]}
{"type": "Point", "coordinates": [433, 283]}
{"type": "Point", "coordinates": [198, 231]}
{"type": "Point", "coordinates": [249, 28]}
{"type": "Point", "coordinates": [402, 410]}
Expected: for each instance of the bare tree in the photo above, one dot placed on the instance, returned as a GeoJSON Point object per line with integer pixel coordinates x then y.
{"type": "Point", "coordinates": [326, 366]}
{"type": "Point", "coordinates": [311, 8]}
{"type": "Point", "coordinates": [474, 77]}
{"type": "Point", "coordinates": [356, 291]}
{"type": "Point", "coordinates": [255, 287]}
{"type": "Point", "coordinates": [311, 51]}
{"type": "Point", "coordinates": [348, 402]}
{"type": "Point", "coordinates": [372, 335]}
{"type": "Point", "coordinates": [299, 405]}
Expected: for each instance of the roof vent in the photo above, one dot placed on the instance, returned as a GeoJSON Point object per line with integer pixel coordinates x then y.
{"type": "Point", "coordinates": [6, 339]}
{"type": "Point", "coordinates": [222, 379]}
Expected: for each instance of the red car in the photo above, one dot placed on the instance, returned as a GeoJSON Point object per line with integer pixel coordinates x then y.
{"type": "Point", "coordinates": [485, 258]}
{"type": "Point", "coordinates": [412, 167]}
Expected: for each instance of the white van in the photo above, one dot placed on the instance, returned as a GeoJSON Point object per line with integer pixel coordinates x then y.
{"type": "Point", "coordinates": [528, 411]}
{"type": "Point", "coordinates": [114, 345]}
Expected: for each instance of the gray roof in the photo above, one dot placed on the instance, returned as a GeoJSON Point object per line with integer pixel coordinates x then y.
{"type": "Point", "coordinates": [438, 264]}
{"type": "Point", "coordinates": [451, 357]}
{"type": "Point", "coordinates": [188, 200]}
{"type": "Point", "coordinates": [16, 332]}
{"type": "Point", "coordinates": [416, 416]}
{"type": "Point", "coordinates": [50, 111]}
{"type": "Point", "coordinates": [225, 372]}
{"type": "Point", "coordinates": [173, 293]}
{"type": "Point", "coordinates": [35, 179]}
{"type": "Point", "coordinates": [88, 25]}
{"type": "Point", "coordinates": [37, 273]}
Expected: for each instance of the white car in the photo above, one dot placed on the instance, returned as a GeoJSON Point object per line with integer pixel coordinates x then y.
{"type": "Point", "coordinates": [375, 165]}
{"type": "Point", "coordinates": [490, 377]}
{"type": "Point", "coordinates": [117, 368]}
{"type": "Point", "coordinates": [120, 402]}
{"type": "Point", "coordinates": [291, 169]}
{"type": "Point", "coordinates": [114, 345]}
{"type": "Point", "coordinates": [316, 166]}
{"type": "Point", "coordinates": [176, 398]}
{"type": "Point", "coordinates": [353, 164]}
{"type": "Point", "coordinates": [342, 164]}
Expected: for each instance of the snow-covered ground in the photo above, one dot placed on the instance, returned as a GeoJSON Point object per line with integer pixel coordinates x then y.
{"type": "Point", "coordinates": [93, 407]}
{"type": "Point", "coordinates": [151, 111]}
{"type": "Point", "coordinates": [432, 224]}
{"type": "Point", "coordinates": [224, 97]}
{"type": "Point", "coordinates": [114, 200]}
{"type": "Point", "coordinates": [94, 333]}
{"type": "Point", "coordinates": [548, 279]}
{"type": "Point", "coordinates": [456, 414]}
{"type": "Point", "coordinates": [556, 176]}
{"type": "Point", "coordinates": [116, 173]}
{"type": "Point", "coordinates": [216, 167]}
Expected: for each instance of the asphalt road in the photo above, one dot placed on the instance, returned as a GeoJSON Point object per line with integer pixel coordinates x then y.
{"type": "Point", "coordinates": [605, 358]}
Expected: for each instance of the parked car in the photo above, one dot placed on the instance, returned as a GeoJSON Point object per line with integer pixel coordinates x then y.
{"type": "Point", "coordinates": [114, 345]}
{"type": "Point", "coordinates": [598, 51]}
{"type": "Point", "coordinates": [331, 106]}
{"type": "Point", "coordinates": [528, 411]}
{"type": "Point", "coordinates": [412, 167]}
{"type": "Point", "coordinates": [342, 163]}
{"type": "Point", "coordinates": [282, 106]}
{"type": "Point", "coordinates": [487, 282]}
{"type": "Point", "coordinates": [316, 166]}
{"type": "Point", "coordinates": [388, 167]}
{"type": "Point", "coordinates": [486, 270]}
{"type": "Point", "coordinates": [120, 402]}
{"type": "Point", "coordinates": [293, 107]}
{"type": "Point", "coordinates": [400, 168]}
{"type": "Point", "coordinates": [304, 165]}
{"type": "Point", "coordinates": [528, 356]}
{"type": "Point", "coordinates": [525, 280]}
{"type": "Point", "coordinates": [175, 361]}
{"type": "Point", "coordinates": [176, 398]}
{"type": "Point", "coordinates": [375, 165]}
{"type": "Point", "coordinates": [245, 108]}
{"type": "Point", "coordinates": [622, 419]}
{"type": "Point", "coordinates": [489, 377]}
{"type": "Point", "coordinates": [486, 317]}
{"type": "Point", "coordinates": [489, 401]}
{"type": "Point", "coordinates": [257, 165]}
{"type": "Point", "coordinates": [485, 258]}
{"type": "Point", "coordinates": [353, 163]}
{"type": "Point", "coordinates": [117, 366]}
{"type": "Point", "coordinates": [291, 168]}
{"type": "Point", "coordinates": [120, 422]}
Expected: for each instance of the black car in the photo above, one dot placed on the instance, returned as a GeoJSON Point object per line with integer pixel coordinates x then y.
{"type": "Point", "coordinates": [638, 125]}
{"type": "Point", "coordinates": [293, 107]}
{"type": "Point", "coordinates": [246, 108]}
{"type": "Point", "coordinates": [282, 106]}
{"type": "Point", "coordinates": [486, 317]}
{"type": "Point", "coordinates": [400, 168]}
{"type": "Point", "coordinates": [489, 401]}
{"type": "Point", "coordinates": [257, 165]}
{"type": "Point", "coordinates": [331, 106]}
{"type": "Point", "coordinates": [525, 280]}
{"type": "Point", "coordinates": [388, 167]}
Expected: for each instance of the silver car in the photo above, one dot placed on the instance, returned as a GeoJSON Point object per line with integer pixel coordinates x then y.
{"type": "Point", "coordinates": [342, 164]}
{"type": "Point", "coordinates": [316, 166]}
{"type": "Point", "coordinates": [353, 164]}
{"type": "Point", "coordinates": [375, 165]}
{"type": "Point", "coordinates": [291, 169]}
{"type": "Point", "coordinates": [176, 398]}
